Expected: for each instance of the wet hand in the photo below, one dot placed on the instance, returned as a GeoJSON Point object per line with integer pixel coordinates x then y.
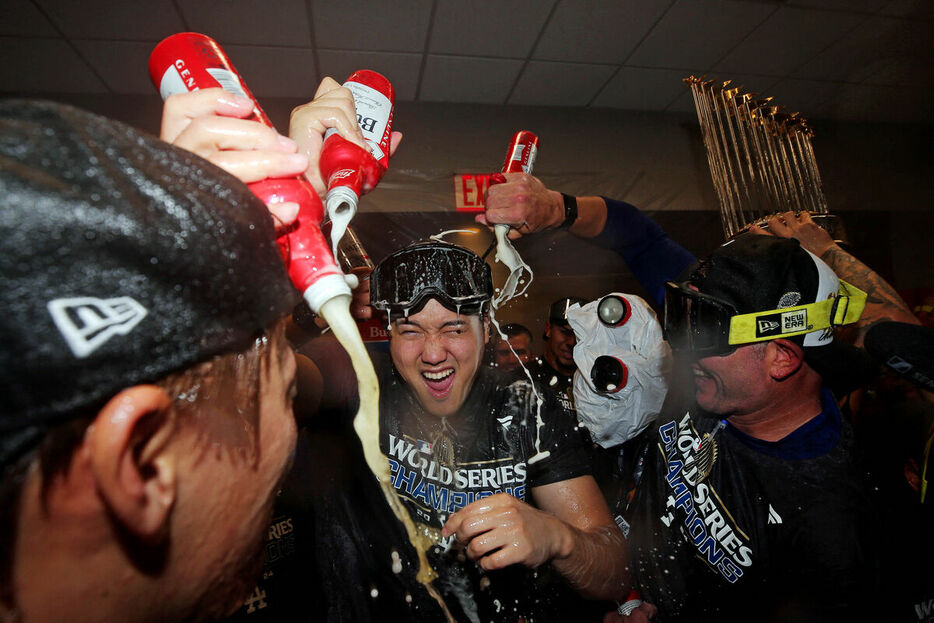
{"type": "Point", "coordinates": [501, 530]}
{"type": "Point", "coordinates": [521, 201]}
{"type": "Point", "coordinates": [360, 303]}
{"type": "Point", "coordinates": [332, 107]}
{"type": "Point", "coordinates": [211, 124]}
{"type": "Point", "coordinates": [801, 227]}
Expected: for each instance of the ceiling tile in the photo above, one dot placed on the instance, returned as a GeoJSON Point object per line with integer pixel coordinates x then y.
{"type": "Point", "coordinates": [559, 84]}
{"type": "Point", "coordinates": [788, 39]}
{"type": "Point", "coordinates": [256, 22]}
{"type": "Point", "coordinates": [44, 66]}
{"type": "Point", "coordinates": [275, 72]}
{"type": "Point", "coordinates": [698, 33]}
{"type": "Point", "coordinates": [860, 102]}
{"type": "Point", "coordinates": [477, 28]}
{"type": "Point", "coordinates": [23, 19]}
{"type": "Point", "coordinates": [399, 26]}
{"type": "Point", "coordinates": [808, 97]}
{"type": "Point", "coordinates": [641, 89]}
{"type": "Point", "coordinates": [104, 19]}
{"type": "Point", "coordinates": [124, 65]}
{"type": "Point", "coordinates": [909, 8]}
{"type": "Point", "coordinates": [851, 58]}
{"type": "Point", "coordinates": [858, 6]}
{"type": "Point", "coordinates": [595, 31]}
{"type": "Point", "coordinates": [900, 71]}
{"type": "Point", "coordinates": [463, 79]}
{"type": "Point", "coordinates": [401, 69]}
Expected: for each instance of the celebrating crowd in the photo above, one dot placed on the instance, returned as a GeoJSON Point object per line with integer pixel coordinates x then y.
{"type": "Point", "coordinates": [166, 418]}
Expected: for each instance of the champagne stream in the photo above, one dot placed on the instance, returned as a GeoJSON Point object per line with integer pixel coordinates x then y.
{"type": "Point", "coordinates": [336, 312]}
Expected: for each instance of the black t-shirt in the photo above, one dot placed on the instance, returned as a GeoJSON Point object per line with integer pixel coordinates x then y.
{"type": "Point", "coordinates": [553, 380]}
{"type": "Point", "coordinates": [738, 529]}
{"type": "Point", "coordinates": [498, 447]}
{"type": "Point", "coordinates": [353, 561]}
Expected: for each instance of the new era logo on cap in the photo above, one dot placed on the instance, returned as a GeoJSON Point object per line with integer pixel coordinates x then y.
{"type": "Point", "coordinates": [766, 326]}
{"type": "Point", "coordinates": [87, 322]}
{"type": "Point", "coordinates": [782, 323]}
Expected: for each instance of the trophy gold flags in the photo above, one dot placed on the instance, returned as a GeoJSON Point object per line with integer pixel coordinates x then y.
{"type": "Point", "coordinates": [761, 158]}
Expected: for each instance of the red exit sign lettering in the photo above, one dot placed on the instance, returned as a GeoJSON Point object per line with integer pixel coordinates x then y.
{"type": "Point", "coordinates": [469, 189]}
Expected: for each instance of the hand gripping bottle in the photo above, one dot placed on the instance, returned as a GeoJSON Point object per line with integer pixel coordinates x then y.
{"type": "Point", "coordinates": [520, 158]}
{"type": "Point", "coordinates": [191, 61]}
{"type": "Point", "coordinates": [348, 169]}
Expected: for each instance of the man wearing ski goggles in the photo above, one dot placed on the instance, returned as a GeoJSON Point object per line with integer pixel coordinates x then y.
{"type": "Point", "coordinates": [707, 326]}
{"type": "Point", "coordinates": [491, 470]}
{"type": "Point", "coordinates": [758, 473]}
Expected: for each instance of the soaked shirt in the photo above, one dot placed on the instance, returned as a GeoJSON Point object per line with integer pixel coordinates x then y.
{"type": "Point", "coordinates": [548, 377]}
{"type": "Point", "coordinates": [354, 561]}
{"type": "Point", "coordinates": [488, 447]}
{"type": "Point", "coordinates": [724, 527]}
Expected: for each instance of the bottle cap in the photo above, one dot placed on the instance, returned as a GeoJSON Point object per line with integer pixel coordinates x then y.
{"type": "Point", "coordinates": [324, 289]}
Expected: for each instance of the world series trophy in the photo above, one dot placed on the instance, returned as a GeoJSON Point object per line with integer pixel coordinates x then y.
{"type": "Point", "coordinates": [761, 158]}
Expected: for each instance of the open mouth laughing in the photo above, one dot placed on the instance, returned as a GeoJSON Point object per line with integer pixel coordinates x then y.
{"type": "Point", "coordinates": [439, 382]}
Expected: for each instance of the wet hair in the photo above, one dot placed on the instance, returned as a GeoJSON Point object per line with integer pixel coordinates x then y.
{"type": "Point", "coordinates": [234, 378]}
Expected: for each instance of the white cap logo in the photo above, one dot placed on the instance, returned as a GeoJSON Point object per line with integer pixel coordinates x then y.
{"type": "Point", "coordinates": [87, 322]}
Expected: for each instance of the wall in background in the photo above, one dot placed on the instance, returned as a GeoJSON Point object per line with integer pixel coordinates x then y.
{"type": "Point", "coordinates": [877, 177]}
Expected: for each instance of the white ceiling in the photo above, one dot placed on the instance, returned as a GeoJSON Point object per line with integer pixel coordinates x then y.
{"type": "Point", "coordinates": [851, 60]}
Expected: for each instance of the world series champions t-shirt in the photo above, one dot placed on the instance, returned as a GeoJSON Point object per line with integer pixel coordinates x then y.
{"type": "Point", "coordinates": [353, 561]}
{"type": "Point", "coordinates": [489, 446]}
{"type": "Point", "coordinates": [728, 528]}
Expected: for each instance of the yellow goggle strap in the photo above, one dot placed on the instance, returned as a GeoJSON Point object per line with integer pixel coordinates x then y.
{"type": "Point", "coordinates": [845, 308]}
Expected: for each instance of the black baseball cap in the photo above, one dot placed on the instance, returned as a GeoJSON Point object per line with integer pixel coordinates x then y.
{"type": "Point", "coordinates": [122, 259]}
{"type": "Point", "coordinates": [754, 273]}
{"type": "Point", "coordinates": [558, 312]}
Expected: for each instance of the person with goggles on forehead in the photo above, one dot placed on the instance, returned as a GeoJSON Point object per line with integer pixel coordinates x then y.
{"type": "Point", "coordinates": [498, 482]}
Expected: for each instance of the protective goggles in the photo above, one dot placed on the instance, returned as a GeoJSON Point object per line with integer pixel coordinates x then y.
{"type": "Point", "coordinates": [456, 277]}
{"type": "Point", "coordinates": [709, 326]}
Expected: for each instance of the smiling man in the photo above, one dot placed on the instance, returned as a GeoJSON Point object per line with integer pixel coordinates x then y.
{"type": "Point", "coordinates": [498, 482]}
{"type": "Point", "coordinates": [751, 504]}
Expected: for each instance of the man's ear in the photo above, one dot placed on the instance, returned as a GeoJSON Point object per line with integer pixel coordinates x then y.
{"type": "Point", "coordinates": [784, 358]}
{"type": "Point", "coordinates": [134, 472]}
{"type": "Point", "coordinates": [486, 329]}
{"type": "Point", "coordinates": [547, 334]}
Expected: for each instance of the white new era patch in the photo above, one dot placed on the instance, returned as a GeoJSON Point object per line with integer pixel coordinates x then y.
{"type": "Point", "coordinates": [87, 322]}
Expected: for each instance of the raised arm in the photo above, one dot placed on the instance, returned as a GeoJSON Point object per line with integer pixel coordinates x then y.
{"type": "Point", "coordinates": [882, 301]}
{"type": "Point", "coordinates": [527, 206]}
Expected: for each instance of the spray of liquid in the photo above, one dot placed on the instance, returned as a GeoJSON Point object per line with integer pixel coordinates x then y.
{"type": "Point", "coordinates": [336, 312]}
{"type": "Point", "coordinates": [507, 254]}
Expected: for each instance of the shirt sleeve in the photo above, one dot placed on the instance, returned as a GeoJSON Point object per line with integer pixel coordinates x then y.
{"type": "Point", "coordinates": [651, 255]}
{"type": "Point", "coordinates": [568, 456]}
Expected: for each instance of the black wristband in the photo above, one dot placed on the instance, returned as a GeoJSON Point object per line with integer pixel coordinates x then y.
{"type": "Point", "coordinates": [570, 211]}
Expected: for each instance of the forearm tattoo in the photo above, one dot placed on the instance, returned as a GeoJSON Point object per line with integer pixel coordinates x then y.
{"type": "Point", "coordinates": [882, 301]}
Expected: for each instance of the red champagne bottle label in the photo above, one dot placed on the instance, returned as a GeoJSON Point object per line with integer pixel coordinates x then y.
{"type": "Point", "coordinates": [191, 61]}
{"type": "Point", "coordinates": [348, 169]}
{"type": "Point", "coordinates": [373, 99]}
{"type": "Point", "coordinates": [520, 157]}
